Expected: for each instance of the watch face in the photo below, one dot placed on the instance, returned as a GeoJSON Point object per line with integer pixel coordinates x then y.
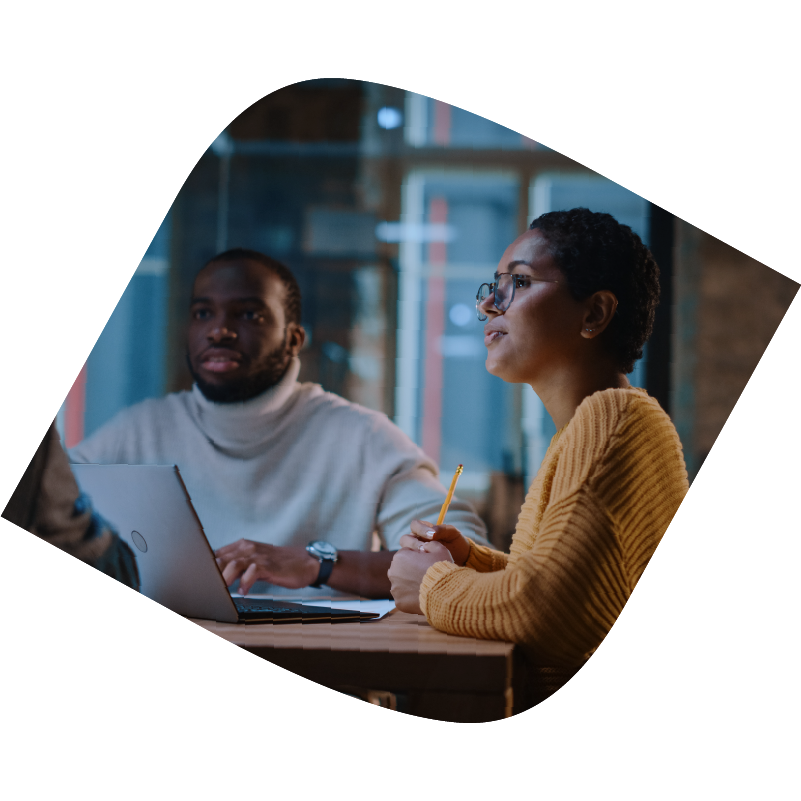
{"type": "Point", "coordinates": [325, 549]}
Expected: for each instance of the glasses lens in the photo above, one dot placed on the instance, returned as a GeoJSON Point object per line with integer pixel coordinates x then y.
{"type": "Point", "coordinates": [503, 291]}
{"type": "Point", "coordinates": [484, 291]}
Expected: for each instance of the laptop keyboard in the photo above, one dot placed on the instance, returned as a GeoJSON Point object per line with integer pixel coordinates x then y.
{"type": "Point", "coordinates": [286, 610]}
{"type": "Point", "coordinates": [250, 605]}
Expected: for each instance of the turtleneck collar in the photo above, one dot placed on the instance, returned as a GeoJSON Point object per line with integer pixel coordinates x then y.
{"type": "Point", "coordinates": [238, 428]}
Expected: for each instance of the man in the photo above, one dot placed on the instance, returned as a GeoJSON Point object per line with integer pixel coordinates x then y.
{"type": "Point", "coordinates": [271, 464]}
{"type": "Point", "coordinates": [48, 503]}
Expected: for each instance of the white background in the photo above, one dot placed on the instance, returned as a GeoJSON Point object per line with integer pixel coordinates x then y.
{"type": "Point", "coordinates": [107, 107]}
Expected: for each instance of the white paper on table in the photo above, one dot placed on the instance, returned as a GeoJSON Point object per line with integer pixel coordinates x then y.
{"type": "Point", "coordinates": [382, 607]}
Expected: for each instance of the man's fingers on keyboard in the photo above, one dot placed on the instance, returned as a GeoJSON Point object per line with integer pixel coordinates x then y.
{"type": "Point", "coordinates": [248, 578]}
{"type": "Point", "coordinates": [233, 570]}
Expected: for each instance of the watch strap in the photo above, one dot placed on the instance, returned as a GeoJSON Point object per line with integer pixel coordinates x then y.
{"type": "Point", "coordinates": [326, 566]}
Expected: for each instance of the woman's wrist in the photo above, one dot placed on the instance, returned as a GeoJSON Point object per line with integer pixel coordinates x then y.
{"type": "Point", "coordinates": [467, 552]}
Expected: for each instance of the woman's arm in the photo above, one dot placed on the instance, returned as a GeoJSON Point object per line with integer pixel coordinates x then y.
{"type": "Point", "coordinates": [463, 550]}
{"type": "Point", "coordinates": [574, 569]}
{"type": "Point", "coordinates": [427, 545]}
{"type": "Point", "coordinates": [559, 599]}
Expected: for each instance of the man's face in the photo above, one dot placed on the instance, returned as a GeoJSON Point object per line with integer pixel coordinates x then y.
{"type": "Point", "coordinates": [239, 342]}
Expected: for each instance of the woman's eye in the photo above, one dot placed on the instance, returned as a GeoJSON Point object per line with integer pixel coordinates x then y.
{"type": "Point", "coordinates": [521, 281]}
{"type": "Point", "coordinates": [201, 314]}
{"type": "Point", "coordinates": [252, 316]}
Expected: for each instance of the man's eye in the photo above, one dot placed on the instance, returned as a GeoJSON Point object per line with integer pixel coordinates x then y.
{"type": "Point", "coordinates": [521, 281]}
{"type": "Point", "coordinates": [201, 314]}
{"type": "Point", "coordinates": [252, 316]}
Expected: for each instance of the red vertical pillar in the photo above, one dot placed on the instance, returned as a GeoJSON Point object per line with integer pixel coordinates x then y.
{"type": "Point", "coordinates": [442, 123]}
{"type": "Point", "coordinates": [434, 328]}
{"type": "Point", "coordinates": [75, 408]}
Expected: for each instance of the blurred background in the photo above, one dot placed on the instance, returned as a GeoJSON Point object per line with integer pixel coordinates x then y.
{"type": "Point", "coordinates": [391, 208]}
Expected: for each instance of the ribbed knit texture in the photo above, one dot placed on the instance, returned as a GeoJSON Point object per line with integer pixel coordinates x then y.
{"type": "Point", "coordinates": [609, 485]}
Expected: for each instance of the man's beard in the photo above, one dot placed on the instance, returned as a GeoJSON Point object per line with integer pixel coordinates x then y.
{"type": "Point", "coordinates": [243, 389]}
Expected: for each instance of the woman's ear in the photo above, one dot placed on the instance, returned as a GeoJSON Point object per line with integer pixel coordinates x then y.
{"type": "Point", "coordinates": [599, 310]}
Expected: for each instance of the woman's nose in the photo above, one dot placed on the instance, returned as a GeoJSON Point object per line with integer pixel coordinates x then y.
{"type": "Point", "coordinates": [487, 305]}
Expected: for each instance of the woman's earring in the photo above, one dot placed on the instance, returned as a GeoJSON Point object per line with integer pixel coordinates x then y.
{"type": "Point", "coordinates": [589, 329]}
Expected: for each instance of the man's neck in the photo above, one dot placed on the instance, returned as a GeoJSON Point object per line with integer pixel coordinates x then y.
{"type": "Point", "coordinates": [256, 387]}
{"type": "Point", "coordinates": [272, 396]}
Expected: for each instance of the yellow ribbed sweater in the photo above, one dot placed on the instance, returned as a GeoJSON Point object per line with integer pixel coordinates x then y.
{"type": "Point", "coordinates": [609, 485]}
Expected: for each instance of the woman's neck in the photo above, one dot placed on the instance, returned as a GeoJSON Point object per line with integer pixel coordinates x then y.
{"type": "Point", "coordinates": [563, 392]}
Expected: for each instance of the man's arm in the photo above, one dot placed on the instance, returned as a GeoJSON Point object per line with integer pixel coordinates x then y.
{"type": "Point", "coordinates": [407, 486]}
{"type": "Point", "coordinates": [102, 447]}
{"type": "Point", "coordinates": [355, 572]}
{"type": "Point", "coordinates": [49, 504]}
{"type": "Point", "coordinates": [362, 573]}
{"type": "Point", "coordinates": [418, 495]}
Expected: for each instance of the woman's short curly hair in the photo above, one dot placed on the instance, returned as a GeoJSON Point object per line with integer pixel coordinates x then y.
{"type": "Point", "coordinates": [595, 252]}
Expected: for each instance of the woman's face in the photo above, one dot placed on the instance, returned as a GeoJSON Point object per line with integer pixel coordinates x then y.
{"type": "Point", "coordinates": [540, 332]}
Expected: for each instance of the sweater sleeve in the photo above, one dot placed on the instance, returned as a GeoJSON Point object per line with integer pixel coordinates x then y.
{"type": "Point", "coordinates": [613, 488]}
{"type": "Point", "coordinates": [485, 560]}
{"type": "Point", "coordinates": [418, 495]}
{"type": "Point", "coordinates": [410, 489]}
{"type": "Point", "coordinates": [559, 599]}
{"type": "Point", "coordinates": [63, 516]}
{"type": "Point", "coordinates": [105, 445]}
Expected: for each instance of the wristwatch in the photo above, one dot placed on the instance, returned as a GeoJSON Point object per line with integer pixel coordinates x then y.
{"type": "Point", "coordinates": [327, 554]}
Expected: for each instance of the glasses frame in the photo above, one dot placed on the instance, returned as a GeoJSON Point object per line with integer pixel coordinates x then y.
{"type": "Point", "coordinates": [491, 291]}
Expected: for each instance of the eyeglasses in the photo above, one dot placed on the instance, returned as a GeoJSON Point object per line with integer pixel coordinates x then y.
{"type": "Point", "coordinates": [503, 289]}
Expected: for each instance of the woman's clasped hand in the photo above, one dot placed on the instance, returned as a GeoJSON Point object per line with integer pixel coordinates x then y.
{"type": "Point", "coordinates": [426, 545]}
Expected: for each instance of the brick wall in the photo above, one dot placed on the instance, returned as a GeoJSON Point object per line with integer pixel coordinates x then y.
{"type": "Point", "coordinates": [727, 308]}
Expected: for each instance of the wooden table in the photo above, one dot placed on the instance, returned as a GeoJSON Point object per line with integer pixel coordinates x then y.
{"type": "Point", "coordinates": [399, 661]}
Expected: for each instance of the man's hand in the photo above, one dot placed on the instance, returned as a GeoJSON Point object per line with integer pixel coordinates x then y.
{"type": "Point", "coordinates": [256, 561]}
{"type": "Point", "coordinates": [449, 536]}
{"type": "Point", "coordinates": [407, 570]}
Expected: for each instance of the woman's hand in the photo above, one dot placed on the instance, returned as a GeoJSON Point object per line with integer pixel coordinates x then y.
{"type": "Point", "coordinates": [449, 536]}
{"type": "Point", "coordinates": [407, 570]}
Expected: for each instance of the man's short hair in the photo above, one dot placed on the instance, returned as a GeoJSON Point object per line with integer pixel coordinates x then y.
{"type": "Point", "coordinates": [292, 301]}
{"type": "Point", "coordinates": [595, 252]}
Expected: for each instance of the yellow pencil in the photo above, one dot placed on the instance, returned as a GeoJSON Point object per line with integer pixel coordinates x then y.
{"type": "Point", "coordinates": [447, 503]}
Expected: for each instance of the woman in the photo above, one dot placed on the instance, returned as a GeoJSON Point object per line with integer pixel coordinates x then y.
{"type": "Point", "coordinates": [570, 310]}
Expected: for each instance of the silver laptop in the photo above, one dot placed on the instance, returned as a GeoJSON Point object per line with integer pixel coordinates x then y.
{"type": "Point", "coordinates": [152, 511]}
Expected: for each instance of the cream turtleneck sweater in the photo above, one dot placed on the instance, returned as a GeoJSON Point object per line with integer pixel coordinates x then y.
{"type": "Point", "coordinates": [291, 465]}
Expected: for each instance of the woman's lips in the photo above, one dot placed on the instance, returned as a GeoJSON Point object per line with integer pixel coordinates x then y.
{"type": "Point", "coordinates": [492, 336]}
